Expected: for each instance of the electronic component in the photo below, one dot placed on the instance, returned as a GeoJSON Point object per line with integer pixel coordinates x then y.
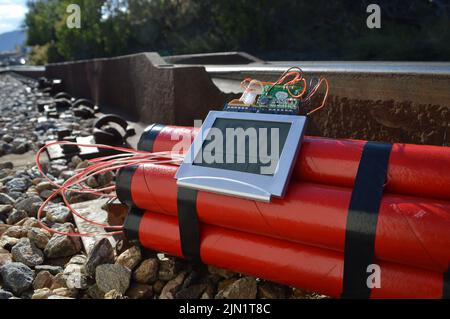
{"type": "Point", "coordinates": [288, 95]}
{"type": "Point", "coordinates": [254, 163]}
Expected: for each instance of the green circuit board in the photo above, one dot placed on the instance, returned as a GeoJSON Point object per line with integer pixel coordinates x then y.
{"type": "Point", "coordinates": [278, 97]}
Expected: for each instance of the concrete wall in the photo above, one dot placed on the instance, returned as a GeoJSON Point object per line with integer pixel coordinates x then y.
{"type": "Point", "coordinates": [392, 107]}
{"type": "Point", "coordinates": [142, 87]}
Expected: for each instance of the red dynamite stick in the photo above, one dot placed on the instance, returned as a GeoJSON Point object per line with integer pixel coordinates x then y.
{"type": "Point", "coordinates": [293, 264]}
{"type": "Point", "coordinates": [411, 231]}
{"type": "Point", "coordinates": [418, 170]}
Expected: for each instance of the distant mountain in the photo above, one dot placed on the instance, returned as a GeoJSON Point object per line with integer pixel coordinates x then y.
{"type": "Point", "coordinates": [9, 40]}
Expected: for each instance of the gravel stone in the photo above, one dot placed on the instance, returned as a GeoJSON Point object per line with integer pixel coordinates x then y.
{"type": "Point", "coordinates": [26, 252]}
{"type": "Point", "coordinates": [17, 277]}
{"type": "Point", "coordinates": [19, 184]}
{"type": "Point", "coordinates": [44, 279]}
{"type": "Point", "coordinates": [39, 237]}
{"type": "Point", "coordinates": [112, 277]}
{"type": "Point", "coordinates": [59, 214]}
{"type": "Point", "coordinates": [62, 246]}
{"type": "Point", "coordinates": [101, 253]}
{"type": "Point", "coordinates": [147, 271]}
{"type": "Point", "coordinates": [5, 199]}
{"type": "Point", "coordinates": [16, 216]}
{"type": "Point", "coordinates": [130, 258]}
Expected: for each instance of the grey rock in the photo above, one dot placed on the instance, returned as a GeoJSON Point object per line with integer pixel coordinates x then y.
{"type": "Point", "coordinates": [16, 216]}
{"type": "Point", "coordinates": [112, 277]}
{"type": "Point", "coordinates": [39, 237]}
{"type": "Point", "coordinates": [101, 253]}
{"type": "Point", "coordinates": [27, 205]}
{"type": "Point", "coordinates": [59, 214]}
{"type": "Point", "coordinates": [17, 277]}
{"type": "Point", "coordinates": [7, 138]}
{"type": "Point", "coordinates": [26, 252]}
{"type": "Point", "coordinates": [20, 148]}
{"type": "Point", "coordinates": [6, 199]}
{"type": "Point", "coordinates": [5, 294]}
{"type": "Point", "coordinates": [18, 184]}
{"type": "Point", "coordinates": [62, 246]}
{"type": "Point", "coordinates": [45, 194]}
{"type": "Point", "coordinates": [16, 195]}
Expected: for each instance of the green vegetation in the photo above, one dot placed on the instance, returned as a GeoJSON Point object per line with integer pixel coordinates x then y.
{"type": "Point", "coordinates": [282, 29]}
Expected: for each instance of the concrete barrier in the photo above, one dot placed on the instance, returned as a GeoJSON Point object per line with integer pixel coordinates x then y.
{"type": "Point", "coordinates": [142, 87]}
{"type": "Point", "coordinates": [383, 101]}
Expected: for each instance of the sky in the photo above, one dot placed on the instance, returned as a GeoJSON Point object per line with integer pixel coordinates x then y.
{"type": "Point", "coordinates": [12, 14]}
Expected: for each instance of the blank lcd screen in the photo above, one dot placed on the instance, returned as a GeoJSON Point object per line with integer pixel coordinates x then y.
{"type": "Point", "coordinates": [243, 145]}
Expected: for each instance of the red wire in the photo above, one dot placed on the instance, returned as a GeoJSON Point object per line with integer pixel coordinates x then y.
{"type": "Point", "coordinates": [97, 166]}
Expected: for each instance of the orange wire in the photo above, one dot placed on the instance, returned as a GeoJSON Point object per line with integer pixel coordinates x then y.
{"type": "Point", "coordinates": [322, 80]}
{"type": "Point", "coordinates": [300, 94]}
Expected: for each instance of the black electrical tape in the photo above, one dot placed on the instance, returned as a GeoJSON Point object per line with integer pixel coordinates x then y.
{"type": "Point", "coordinates": [149, 136]}
{"type": "Point", "coordinates": [446, 290]}
{"type": "Point", "coordinates": [123, 184]}
{"type": "Point", "coordinates": [132, 222]}
{"type": "Point", "coordinates": [362, 219]}
{"type": "Point", "coordinates": [188, 223]}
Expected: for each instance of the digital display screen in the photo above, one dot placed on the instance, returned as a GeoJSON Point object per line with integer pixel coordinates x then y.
{"type": "Point", "coordinates": [243, 145]}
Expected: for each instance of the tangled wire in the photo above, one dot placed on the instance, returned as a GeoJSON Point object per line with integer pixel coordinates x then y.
{"type": "Point", "coordinates": [100, 165]}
